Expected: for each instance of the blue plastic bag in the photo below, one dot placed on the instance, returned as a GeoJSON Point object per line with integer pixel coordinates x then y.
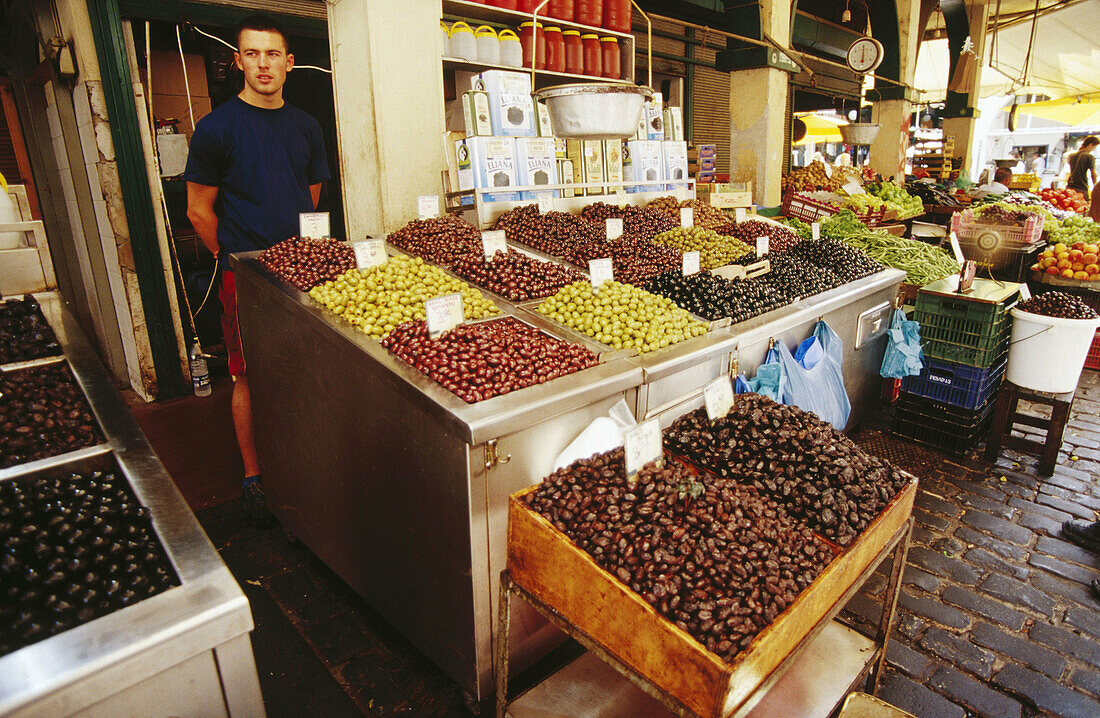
{"type": "Point", "coordinates": [903, 355]}
{"type": "Point", "coordinates": [742, 386]}
{"type": "Point", "coordinates": [770, 379]}
{"type": "Point", "coordinates": [816, 381]}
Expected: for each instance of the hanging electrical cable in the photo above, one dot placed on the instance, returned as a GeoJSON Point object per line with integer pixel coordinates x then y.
{"type": "Point", "coordinates": [215, 37]}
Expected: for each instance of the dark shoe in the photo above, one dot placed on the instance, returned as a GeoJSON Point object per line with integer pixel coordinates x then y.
{"type": "Point", "coordinates": [1096, 588]}
{"type": "Point", "coordinates": [1085, 534]}
{"type": "Point", "coordinates": [255, 507]}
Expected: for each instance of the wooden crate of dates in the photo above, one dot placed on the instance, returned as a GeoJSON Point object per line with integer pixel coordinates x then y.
{"type": "Point", "coordinates": [551, 567]}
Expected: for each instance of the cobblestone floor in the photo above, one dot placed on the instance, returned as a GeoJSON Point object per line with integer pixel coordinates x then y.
{"type": "Point", "coordinates": [995, 616]}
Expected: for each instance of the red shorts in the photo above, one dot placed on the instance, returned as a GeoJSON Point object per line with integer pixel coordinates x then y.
{"type": "Point", "coordinates": [231, 329]}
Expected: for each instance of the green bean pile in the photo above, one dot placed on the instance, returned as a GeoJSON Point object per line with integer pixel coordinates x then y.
{"type": "Point", "coordinates": [922, 263]}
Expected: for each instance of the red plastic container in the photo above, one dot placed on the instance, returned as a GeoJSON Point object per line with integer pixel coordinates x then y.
{"type": "Point", "coordinates": [611, 58]}
{"type": "Point", "coordinates": [555, 49]}
{"type": "Point", "coordinates": [533, 39]}
{"type": "Point", "coordinates": [588, 12]}
{"type": "Point", "coordinates": [560, 9]}
{"type": "Point", "coordinates": [506, 4]}
{"type": "Point", "coordinates": [593, 55]}
{"type": "Point", "coordinates": [617, 15]}
{"type": "Point", "coordinates": [574, 52]}
{"type": "Point", "coordinates": [1092, 361]}
{"type": "Point", "coordinates": [528, 5]}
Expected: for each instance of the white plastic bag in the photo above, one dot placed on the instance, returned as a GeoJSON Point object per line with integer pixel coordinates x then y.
{"type": "Point", "coordinates": [602, 435]}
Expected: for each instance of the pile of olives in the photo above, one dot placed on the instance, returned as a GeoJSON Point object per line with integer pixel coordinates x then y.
{"type": "Point", "coordinates": [43, 413]}
{"type": "Point", "coordinates": [555, 233]}
{"type": "Point", "coordinates": [622, 316]}
{"type": "Point", "coordinates": [796, 278]}
{"type": "Point", "coordinates": [634, 260]}
{"type": "Point", "coordinates": [379, 298]}
{"type": "Point", "coordinates": [780, 239]}
{"type": "Point", "coordinates": [72, 549]}
{"type": "Point", "coordinates": [714, 250]}
{"type": "Point", "coordinates": [441, 240]}
{"type": "Point", "coordinates": [1058, 304]}
{"type": "Point", "coordinates": [704, 215]}
{"type": "Point", "coordinates": [24, 332]}
{"type": "Point", "coordinates": [305, 263]}
{"type": "Point", "coordinates": [712, 297]}
{"type": "Point", "coordinates": [843, 260]}
{"type": "Point", "coordinates": [638, 222]}
{"type": "Point", "coordinates": [515, 276]}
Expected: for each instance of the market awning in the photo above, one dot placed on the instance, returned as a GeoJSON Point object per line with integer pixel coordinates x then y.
{"type": "Point", "coordinates": [1074, 111]}
{"type": "Point", "coordinates": [820, 128]}
{"type": "Point", "coordinates": [1065, 58]}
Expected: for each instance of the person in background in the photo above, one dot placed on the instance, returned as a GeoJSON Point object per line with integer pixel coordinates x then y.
{"type": "Point", "coordinates": [1017, 168]}
{"type": "Point", "coordinates": [254, 164]}
{"type": "Point", "coordinates": [1038, 163]}
{"type": "Point", "coordinates": [1082, 166]}
{"type": "Point", "coordinates": [999, 185]}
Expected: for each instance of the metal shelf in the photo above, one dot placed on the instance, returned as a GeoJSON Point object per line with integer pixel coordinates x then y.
{"type": "Point", "coordinates": [454, 63]}
{"type": "Point", "coordinates": [466, 10]}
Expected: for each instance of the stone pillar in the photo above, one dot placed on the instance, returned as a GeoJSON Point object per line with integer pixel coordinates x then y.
{"type": "Point", "coordinates": [961, 125]}
{"type": "Point", "coordinates": [388, 87]}
{"type": "Point", "coordinates": [892, 106]}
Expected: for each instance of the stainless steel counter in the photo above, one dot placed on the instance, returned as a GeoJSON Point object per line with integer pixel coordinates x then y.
{"type": "Point", "coordinates": [183, 652]}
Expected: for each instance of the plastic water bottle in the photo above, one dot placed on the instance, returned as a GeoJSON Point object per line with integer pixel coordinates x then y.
{"type": "Point", "coordinates": [200, 376]}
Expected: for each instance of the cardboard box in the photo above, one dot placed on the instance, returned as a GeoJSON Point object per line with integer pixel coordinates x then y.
{"type": "Point", "coordinates": [175, 106]}
{"type": "Point", "coordinates": [674, 123]}
{"type": "Point", "coordinates": [561, 149]}
{"type": "Point", "coordinates": [674, 164]}
{"type": "Point", "coordinates": [511, 108]}
{"type": "Point", "coordinates": [705, 151]}
{"type": "Point", "coordinates": [613, 162]}
{"type": "Point", "coordinates": [588, 163]}
{"type": "Point", "coordinates": [654, 115]}
{"type": "Point", "coordinates": [168, 74]}
{"type": "Point", "coordinates": [488, 162]}
{"type": "Point", "coordinates": [536, 164]}
{"type": "Point", "coordinates": [475, 113]}
{"type": "Point", "coordinates": [565, 176]}
{"type": "Point", "coordinates": [707, 176]}
{"type": "Point", "coordinates": [642, 162]}
{"type": "Point", "coordinates": [543, 128]}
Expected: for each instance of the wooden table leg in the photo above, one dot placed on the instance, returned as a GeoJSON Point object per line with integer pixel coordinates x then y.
{"type": "Point", "coordinates": [890, 603]}
{"type": "Point", "coordinates": [504, 621]}
{"type": "Point", "coordinates": [998, 428]}
{"type": "Point", "coordinates": [1059, 415]}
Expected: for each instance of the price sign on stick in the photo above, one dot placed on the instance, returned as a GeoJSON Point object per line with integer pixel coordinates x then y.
{"type": "Point", "coordinates": [1025, 292]}
{"type": "Point", "coordinates": [739, 214]}
{"type": "Point", "coordinates": [614, 228]}
{"type": "Point", "coordinates": [956, 249]}
{"type": "Point", "coordinates": [444, 313]}
{"type": "Point", "coordinates": [761, 246]}
{"type": "Point", "coordinates": [546, 203]}
{"type": "Point", "coordinates": [620, 197]}
{"type": "Point", "coordinates": [687, 217]}
{"type": "Point", "coordinates": [600, 271]}
{"type": "Point", "coordinates": [641, 445]}
{"type": "Point", "coordinates": [313, 225]}
{"type": "Point", "coordinates": [427, 206]}
{"type": "Point", "coordinates": [718, 397]}
{"type": "Point", "coordinates": [815, 230]}
{"type": "Point", "coordinates": [369, 253]}
{"type": "Point", "coordinates": [493, 241]}
{"type": "Point", "coordinates": [691, 263]}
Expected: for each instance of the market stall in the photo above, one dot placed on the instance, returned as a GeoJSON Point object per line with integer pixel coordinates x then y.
{"type": "Point", "coordinates": [120, 604]}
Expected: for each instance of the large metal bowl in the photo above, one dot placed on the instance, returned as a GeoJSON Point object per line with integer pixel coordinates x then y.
{"type": "Point", "coordinates": [859, 133]}
{"type": "Point", "coordinates": [594, 111]}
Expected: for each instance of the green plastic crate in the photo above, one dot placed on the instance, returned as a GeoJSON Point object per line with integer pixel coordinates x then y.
{"type": "Point", "coordinates": [962, 309]}
{"type": "Point", "coordinates": [944, 345]}
{"type": "Point", "coordinates": [965, 331]}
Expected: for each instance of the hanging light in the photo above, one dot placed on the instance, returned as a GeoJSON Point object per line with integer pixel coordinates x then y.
{"type": "Point", "coordinates": [847, 16]}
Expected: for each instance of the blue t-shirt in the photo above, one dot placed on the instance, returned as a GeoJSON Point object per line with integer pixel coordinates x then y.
{"type": "Point", "coordinates": [262, 162]}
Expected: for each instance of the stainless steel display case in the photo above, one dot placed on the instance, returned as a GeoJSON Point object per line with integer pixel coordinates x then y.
{"type": "Point", "coordinates": [183, 652]}
{"type": "Point", "coordinates": [394, 482]}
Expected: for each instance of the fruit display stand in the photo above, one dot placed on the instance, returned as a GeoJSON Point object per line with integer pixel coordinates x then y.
{"type": "Point", "coordinates": [184, 651]}
{"type": "Point", "coordinates": [569, 588]}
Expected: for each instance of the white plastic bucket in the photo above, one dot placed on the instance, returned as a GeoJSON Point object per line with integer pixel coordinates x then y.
{"type": "Point", "coordinates": [9, 212]}
{"type": "Point", "coordinates": [1048, 353]}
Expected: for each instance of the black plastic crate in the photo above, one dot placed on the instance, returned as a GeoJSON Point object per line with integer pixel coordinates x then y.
{"type": "Point", "coordinates": [941, 426]}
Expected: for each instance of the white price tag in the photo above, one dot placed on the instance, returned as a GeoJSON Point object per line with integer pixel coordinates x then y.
{"type": "Point", "coordinates": [1025, 292]}
{"type": "Point", "coordinates": [691, 263]}
{"type": "Point", "coordinates": [815, 230]}
{"type": "Point", "coordinates": [853, 187]}
{"type": "Point", "coordinates": [493, 241]}
{"type": "Point", "coordinates": [546, 203]}
{"type": "Point", "coordinates": [313, 225]}
{"type": "Point", "coordinates": [739, 214]}
{"type": "Point", "coordinates": [427, 206]}
{"type": "Point", "coordinates": [369, 253]}
{"type": "Point", "coordinates": [761, 246]}
{"type": "Point", "coordinates": [642, 445]}
{"type": "Point", "coordinates": [600, 270]}
{"type": "Point", "coordinates": [620, 197]}
{"type": "Point", "coordinates": [718, 397]}
{"type": "Point", "coordinates": [444, 313]}
{"type": "Point", "coordinates": [956, 249]}
{"type": "Point", "coordinates": [614, 228]}
{"type": "Point", "coordinates": [687, 217]}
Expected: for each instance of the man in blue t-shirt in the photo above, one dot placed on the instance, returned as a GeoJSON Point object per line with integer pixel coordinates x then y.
{"type": "Point", "coordinates": [255, 163]}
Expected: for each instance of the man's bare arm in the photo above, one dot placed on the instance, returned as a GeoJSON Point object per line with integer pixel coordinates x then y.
{"type": "Point", "coordinates": [200, 210]}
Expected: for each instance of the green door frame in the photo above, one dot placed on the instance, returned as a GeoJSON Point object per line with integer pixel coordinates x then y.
{"type": "Point", "coordinates": [114, 68]}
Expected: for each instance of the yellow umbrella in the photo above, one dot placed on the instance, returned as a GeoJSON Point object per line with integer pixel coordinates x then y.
{"type": "Point", "coordinates": [1075, 110]}
{"type": "Point", "coordinates": [820, 129]}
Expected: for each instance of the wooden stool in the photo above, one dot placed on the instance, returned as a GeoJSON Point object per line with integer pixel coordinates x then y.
{"type": "Point", "coordinates": [1005, 416]}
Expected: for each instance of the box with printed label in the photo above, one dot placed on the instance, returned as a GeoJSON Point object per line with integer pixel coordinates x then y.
{"type": "Point", "coordinates": [561, 149]}
{"type": "Point", "coordinates": [674, 123]}
{"type": "Point", "coordinates": [703, 164]}
{"type": "Point", "coordinates": [565, 176]}
{"type": "Point", "coordinates": [613, 162]}
{"type": "Point", "coordinates": [475, 113]}
{"type": "Point", "coordinates": [543, 128]}
{"type": "Point", "coordinates": [654, 117]}
{"type": "Point", "coordinates": [536, 164]}
{"type": "Point", "coordinates": [587, 158]}
{"type": "Point", "coordinates": [707, 176]}
{"type": "Point", "coordinates": [511, 107]}
{"type": "Point", "coordinates": [642, 163]}
{"type": "Point", "coordinates": [488, 162]}
{"type": "Point", "coordinates": [675, 162]}
{"type": "Point", "coordinates": [706, 151]}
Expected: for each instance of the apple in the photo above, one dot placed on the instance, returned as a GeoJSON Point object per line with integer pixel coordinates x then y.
{"type": "Point", "coordinates": [1067, 273]}
{"type": "Point", "coordinates": [1080, 275]}
{"type": "Point", "coordinates": [1093, 268]}
{"type": "Point", "coordinates": [1053, 270]}
{"type": "Point", "coordinates": [1064, 264]}
{"type": "Point", "coordinates": [1088, 258]}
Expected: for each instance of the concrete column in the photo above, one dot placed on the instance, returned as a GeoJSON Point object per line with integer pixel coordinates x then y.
{"type": "Point", "coordinates": [388, 85]}
{"type": "Point", "coordinates": [758, 108]}
{"type": "Point", "coordinates": [962, 128]}
{"type": "Point", "coordinates": [893, 111]}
